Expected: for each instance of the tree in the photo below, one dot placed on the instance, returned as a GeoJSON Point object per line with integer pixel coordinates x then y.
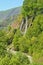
{"type": "Point", "coordinates": [19, 59]}
{"type": "Point", "coordinates": [24, 44]}
{"type": "Point", "coordinates": [32, 7]}
{"type": "Point", "coordinates": [16, 39]}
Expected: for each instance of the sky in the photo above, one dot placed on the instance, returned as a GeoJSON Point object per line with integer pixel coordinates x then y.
{"type": "Point", "coordinates": [7, 4]}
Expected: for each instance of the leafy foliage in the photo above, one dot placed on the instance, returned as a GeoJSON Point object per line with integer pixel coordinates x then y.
{"type": "Point", "coordinates": [31, 7]}
{"type": "Point", "coordinates": [31, 43]}
{"type": "Point", "coordinates": [18, 59]}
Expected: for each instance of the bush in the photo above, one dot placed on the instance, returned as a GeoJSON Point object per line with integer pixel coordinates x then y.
{"type": "Point", "coordinates": [24, 44]}
{"type": "Point", "coordinates": [18, 59]}
{"type": "Point", "coordinates": [16, 39]}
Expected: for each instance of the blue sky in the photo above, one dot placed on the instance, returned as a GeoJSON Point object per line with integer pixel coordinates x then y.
{"type": "Point", "coordinates": [7, 4]}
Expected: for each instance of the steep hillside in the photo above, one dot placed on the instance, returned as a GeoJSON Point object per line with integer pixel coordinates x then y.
{"type": "Point", "coordinates": [8, 16]}
{"type": "Point", "coordinates": [17, 47]}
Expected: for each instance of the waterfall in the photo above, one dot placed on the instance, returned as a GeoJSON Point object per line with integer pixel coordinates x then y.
{"type": "Point", "coordinates": [24, 26]}
{"type": "Point", "coordinates": [21, 24]}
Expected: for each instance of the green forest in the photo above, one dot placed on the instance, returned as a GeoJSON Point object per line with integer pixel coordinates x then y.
{"type": "Point", "coordinates": [24, 49]}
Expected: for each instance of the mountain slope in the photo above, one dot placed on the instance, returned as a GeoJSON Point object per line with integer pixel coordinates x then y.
{"type": "Point", "coordinates": [8, 16]}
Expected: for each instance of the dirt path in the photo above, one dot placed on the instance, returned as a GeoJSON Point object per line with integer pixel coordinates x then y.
{"type": "Point", "coordinates": [15, 52]}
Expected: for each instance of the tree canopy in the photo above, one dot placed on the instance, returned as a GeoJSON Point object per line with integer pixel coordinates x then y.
{"type": "Point", "coordinates": [31, 7]}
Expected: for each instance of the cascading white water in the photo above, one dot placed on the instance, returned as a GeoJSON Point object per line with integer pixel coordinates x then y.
{"type": "Point", "coordinates": [24, 25]}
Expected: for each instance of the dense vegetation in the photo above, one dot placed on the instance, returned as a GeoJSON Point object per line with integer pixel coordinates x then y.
{"type": "Point", "coordinates": [31, 43]}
